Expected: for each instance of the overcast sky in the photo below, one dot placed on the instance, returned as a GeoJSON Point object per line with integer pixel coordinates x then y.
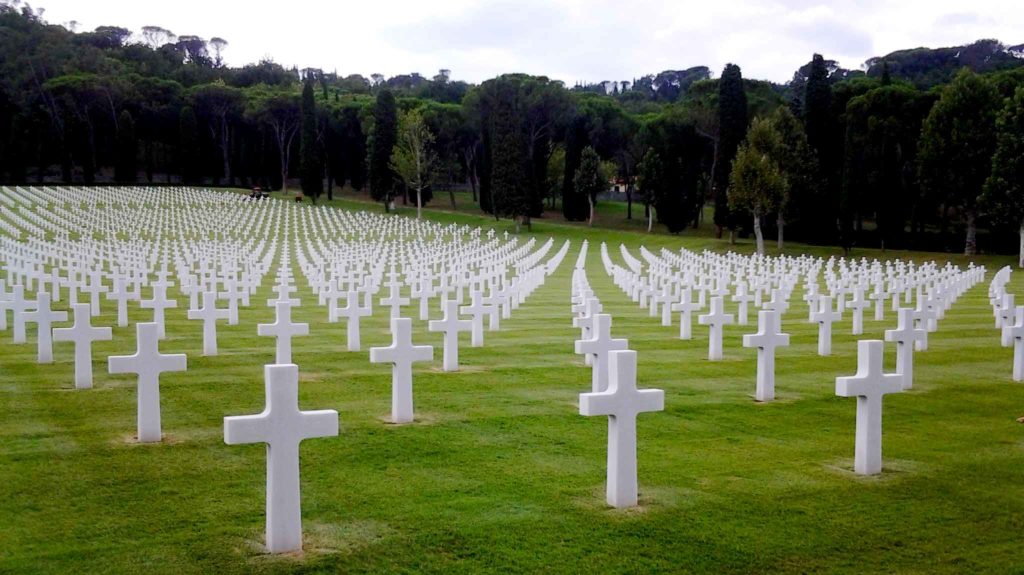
{"type": "Point", "coordinates": [571, 40]}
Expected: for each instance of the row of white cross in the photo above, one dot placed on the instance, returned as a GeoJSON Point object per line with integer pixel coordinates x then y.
{"type": "Point", "coordinates": [869, 384]}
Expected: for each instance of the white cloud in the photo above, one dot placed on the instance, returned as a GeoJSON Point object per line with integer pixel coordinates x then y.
{"type": "Point", "coordinates": [566, 39]}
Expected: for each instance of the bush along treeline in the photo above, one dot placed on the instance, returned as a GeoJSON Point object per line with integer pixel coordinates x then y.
{"type": "Point", "coordinates": [924, 150]}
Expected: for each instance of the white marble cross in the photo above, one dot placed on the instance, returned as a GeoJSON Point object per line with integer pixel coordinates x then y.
{"type": "Point", "coordinates": [401, 354]}
{"type": "Point", "coordinates": [121, 296]}
{"type": "Point", "coordinates": [18, 306]}
{"type": "Point", "coordinates": [44, 317]}
{"type": "Point", "coordinates": [451, 325]}
{"type": "Point", "coordinates": [857, 306]}
{"type": "Point", "coordinates": [685, 306]}
{"type": "Point", "coordinates": [905, 335]}
{"type": "Point", "coordinates": [824, 317]}
{"type": "Point", "coordinates": [868, 386]}
{"type": "Point", "coordinates": [743, 299]}
{"type": "Point", "coordinates": [352, 312]}
{"type": "Point", "coordinates": [283, 329]}
{"type": "Point", "coordinates": [282, 426]}
{"type": "Point", "coordinates": [158, 304]}
{"type": "Point", "coordinates": [394, 300]}
{"type": "Point", "coordinates": [209, 313]}
{"type": "Point", "coordinates": [1016, 332]}
{"type": "Point", "coordinates": [925, 317]}
{"type": "Point", "coordinates": [600, 345]}
{"type": "Point", "coordinates": [82, 333]}
{"type": "Point", "coordinates": [768, 337]}
{"type": "Point", "coordinates": [621, 402]}
{"type": "Point", "coordinates": [477, 310]}
{"type": "Point", "coordinates": [716, 320]}
{"type": "Point", "coordinates": [148, 363]}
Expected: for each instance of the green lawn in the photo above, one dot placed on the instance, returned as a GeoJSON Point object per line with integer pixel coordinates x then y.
{"type": "Point", "coordinates": [500, 474]}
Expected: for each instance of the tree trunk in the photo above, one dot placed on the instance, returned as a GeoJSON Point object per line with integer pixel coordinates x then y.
{"type": "Point", "coordinates": [650, 219]}
{"type": "Point", "coordinates": [629, 201]}
{"type": "Point", "coordinates": [590, 223]}
{"type": "Point", "coordinates": [451, 196]}
{"type": "Point", "coordinates": [718, 233]}
{"type": "Point", "coordinates": [1020, 257]}
{"type": "Point", "coordinates": [781, 223]}
{"type": "Point", "coordinates": [757, 235]}
{"type": "Point", "coordinates": [971, 243]}
{"type": "Point", "coordinates": [226, 151]}
{"type": "Point", "coordinates": [419, 202]}
{"type": "Point", "coordinates": [732, 237]}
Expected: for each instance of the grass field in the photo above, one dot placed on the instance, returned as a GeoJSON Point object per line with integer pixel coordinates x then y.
{"type": "Point", "coordinates": [499, 474]}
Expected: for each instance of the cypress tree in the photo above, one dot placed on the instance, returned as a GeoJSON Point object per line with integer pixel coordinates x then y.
{"type": "Point", "coordinates": [575, 140]}
{"type": "Point", "coordinates": [188, 145]}
{"type": "Point", "coordinates": [819, 125]}
{"type": "Point", "coordinates": [385, 134]}
{"type": "Point", "coordinates": [126, 167]}
{"type": "Point", "coordinates": [510, 161]}
{"type": "Point", "coordinates": [732, 128]}
{"type": "Point", "coordinates": [311, 172]}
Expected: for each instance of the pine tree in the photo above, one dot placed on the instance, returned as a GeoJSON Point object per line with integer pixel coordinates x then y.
{"type": "Point", "coordinates": [188, 145]}
{"type": "Point", "coordinates": [1003, 198]}
{"type": "Point", "coordinates": [385, 134]}
{"type": "Point", "coordinates": [126, 168]}
{"type": "Point", "coordinates": [311, 171]}
{"type": "Point", "coordinates": [732, 127]}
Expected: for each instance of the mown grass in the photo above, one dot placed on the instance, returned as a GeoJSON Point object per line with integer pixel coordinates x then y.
{"type": "Point", "coordinates": [500, 474]}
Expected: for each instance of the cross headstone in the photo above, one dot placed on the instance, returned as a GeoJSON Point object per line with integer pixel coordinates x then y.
{"type": "Point", "coordinates": [824, 317]}
{"type": "Point", "coordinates": [283, 329]}
{"type": "Point", "coordinates": [282, 426]}
{"type": "Point", "coordinates": [450, 325]}
{"type": "Point", "coordinates": [477, 310]}
{"type": "Point", "coordinates": [905, 335]}
{"type": "Point", "coordinates": [158, 304]}
{"type": "Point", "coordinates": [44, 317]}
{"type": "Point", "coordinates": [148, 363]}
{"type": "Point", "coordinates": [352, 312]}
{"type": "Point", "coordinates": [685, 306]}
{"type": "Point", "coordinates": [82, 333]}
{"type": "Point", "coordinates": [868, 385]}
{"type": "Point", "coordinates": [209, 313]}
{"type": "Point", "coordinates": [600, 345]}
{"type": "Point", "coordinates": [768, 337]}
{"type": "Point", "coordinates": [401, 354]}
{"type": "Point", "coordinates": [857, 306]}
{"type": "Point", "coordinates": [621, 402]}
{"type": "Point", "coordinates": [716, 320]}
{"type": "Point", "coordinates": [18, 306]}
{"type": "Point", "coordinates": [1016, 332]}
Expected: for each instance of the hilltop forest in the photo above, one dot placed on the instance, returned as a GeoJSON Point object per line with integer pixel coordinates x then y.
{"type": "Point", "coordinates": [921, 148]}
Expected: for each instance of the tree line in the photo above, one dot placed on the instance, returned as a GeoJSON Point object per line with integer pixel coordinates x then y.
{"type": "Point", "coordinates": [854, 159]}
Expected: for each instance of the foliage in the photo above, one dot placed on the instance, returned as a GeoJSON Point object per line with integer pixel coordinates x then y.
{"type": "Point", "coordinates": [1003, 195]}
{"type": "Point", "coordinates": [309, 148]}
{"type": "Point", "coordinates": [414, 159]}
{"type": "Point", "coordinates": [382, 145]}
{"type": "Point", "coordinates": [126, 169]}
{"type": "Point", "coordinates": [957, 141]}
{"type": "Point", "coordinates": [732, 127]}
